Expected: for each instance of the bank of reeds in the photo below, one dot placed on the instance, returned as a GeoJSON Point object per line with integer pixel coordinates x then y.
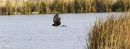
{"type": "Point", "coordinates": [74, 6]}
{"type": "Point", "coordinates": [113, 33]}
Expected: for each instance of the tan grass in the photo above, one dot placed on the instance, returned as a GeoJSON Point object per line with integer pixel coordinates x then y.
{"type": "Point", "coordinates": [113, 33]}
{"type": "Point", "coordinates": [64, 6]}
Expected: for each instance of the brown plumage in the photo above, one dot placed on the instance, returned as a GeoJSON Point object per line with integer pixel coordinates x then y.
{"type": "Point", "coordinates": [56, 20]}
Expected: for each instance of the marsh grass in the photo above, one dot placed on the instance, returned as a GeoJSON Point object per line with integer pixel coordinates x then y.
{"type": "Point", "coordinates": [110, 33]}
{"type": "Point", "coordinates": [74, 6]}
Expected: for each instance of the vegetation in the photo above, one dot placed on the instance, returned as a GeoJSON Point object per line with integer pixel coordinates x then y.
{"type": "Point", "coordinates": [113, 33]}
{"type": "Point", "coordinates": [75, 6]}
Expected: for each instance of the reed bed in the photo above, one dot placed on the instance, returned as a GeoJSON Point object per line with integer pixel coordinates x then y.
{"type": "Point", "coordinates": [72, 6]}
{"type": "Point", "coordinates": [110, 33]}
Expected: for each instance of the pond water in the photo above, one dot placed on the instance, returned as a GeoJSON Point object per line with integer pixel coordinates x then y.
{"type": "Point", "coordinates": [36, 32]}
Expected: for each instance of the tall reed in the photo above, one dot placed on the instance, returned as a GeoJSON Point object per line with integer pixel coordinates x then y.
{"type": "Point", "coordinates": [113, 33]}
{"type": "Point", "coordinates": [66, 6]}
